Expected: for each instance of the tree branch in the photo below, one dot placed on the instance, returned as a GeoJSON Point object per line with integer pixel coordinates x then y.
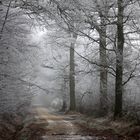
{"type": "Point", "coordinates": [6, 16]}
{"type": "Point", "coordinates": [130, 76]}
{"type": "Point", "coordinates": [26, 82]}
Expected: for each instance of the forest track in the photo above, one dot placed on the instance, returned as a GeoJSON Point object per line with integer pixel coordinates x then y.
{"type": "Point", "coordinates": [40, 124]}
{"type": "Point", "coordinates": [63, 127]}
{"type": "Point", "coordinates": [60, 127]}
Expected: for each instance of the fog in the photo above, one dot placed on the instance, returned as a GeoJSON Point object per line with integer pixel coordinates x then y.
{"type": "Point", "coordinates": [70, 57]}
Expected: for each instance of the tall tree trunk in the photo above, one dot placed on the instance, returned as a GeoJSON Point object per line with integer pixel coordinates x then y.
{"type": "Point", "coordinates": [64, 103]}
{"type": "Point", "coordinates": [72, 76]}
{"type": "Point", "coordinates": [103, 68]}
{"type": "Point", "coordinates": [119, 62]}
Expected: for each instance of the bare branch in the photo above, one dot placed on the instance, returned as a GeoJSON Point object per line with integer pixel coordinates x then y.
{"type": "Point", "coordinates": [26, 82]}
{"type": "Point", "coordinates": [130, 76]}
{"type": "Point", "coordinates": [6, 16]}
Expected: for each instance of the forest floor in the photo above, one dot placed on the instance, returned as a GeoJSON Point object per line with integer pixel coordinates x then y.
{"type": "Point", "coordinates": [42, 125]}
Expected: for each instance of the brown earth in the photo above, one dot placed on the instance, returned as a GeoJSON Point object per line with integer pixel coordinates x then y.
{"type": "Point", "coordinates": [42, 125]}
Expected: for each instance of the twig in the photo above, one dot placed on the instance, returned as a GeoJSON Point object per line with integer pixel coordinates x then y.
{"type": "Point", "coordinates": [26, 82]}
{"type": "Point", "coordinates": [6, 16]}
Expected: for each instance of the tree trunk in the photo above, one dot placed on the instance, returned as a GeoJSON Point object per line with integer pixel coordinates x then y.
{"type": "Point", "coordinates": [64, 97]}
{"type": "Point", "coordinates": [103, 69]}
{"type": "Point", "coordinates": [64, 106]}
{"type": "Point", "coordinates": [72, 76]}
{"type": "Point", "coordinates": [119, 62]}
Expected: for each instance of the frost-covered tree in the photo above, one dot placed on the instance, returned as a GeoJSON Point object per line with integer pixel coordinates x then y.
{"type": "Point", "coordinates": [17, 60]}
{"type": "Point", "coordinates": [108, 27]}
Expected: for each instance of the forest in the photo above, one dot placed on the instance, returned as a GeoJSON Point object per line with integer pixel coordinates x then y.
{"type": "Point", "coordinates": [69, 70]}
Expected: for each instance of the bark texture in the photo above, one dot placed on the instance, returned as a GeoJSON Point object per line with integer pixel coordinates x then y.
{"type": "Point", "coordinates": [103, 68]}
{"type": "Point", "coordinates": [119, 62]}
{"type": "Point", "coordinates": [72, 76]}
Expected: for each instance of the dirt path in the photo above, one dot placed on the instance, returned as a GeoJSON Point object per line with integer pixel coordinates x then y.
{"type": "Point", "coordinates": [43, 125]}
{"type": "Point", "coordinates": [60, 127]}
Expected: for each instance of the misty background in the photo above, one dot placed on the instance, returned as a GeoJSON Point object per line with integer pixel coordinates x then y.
{"type": "Point", "coordinates": [35, 56]}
